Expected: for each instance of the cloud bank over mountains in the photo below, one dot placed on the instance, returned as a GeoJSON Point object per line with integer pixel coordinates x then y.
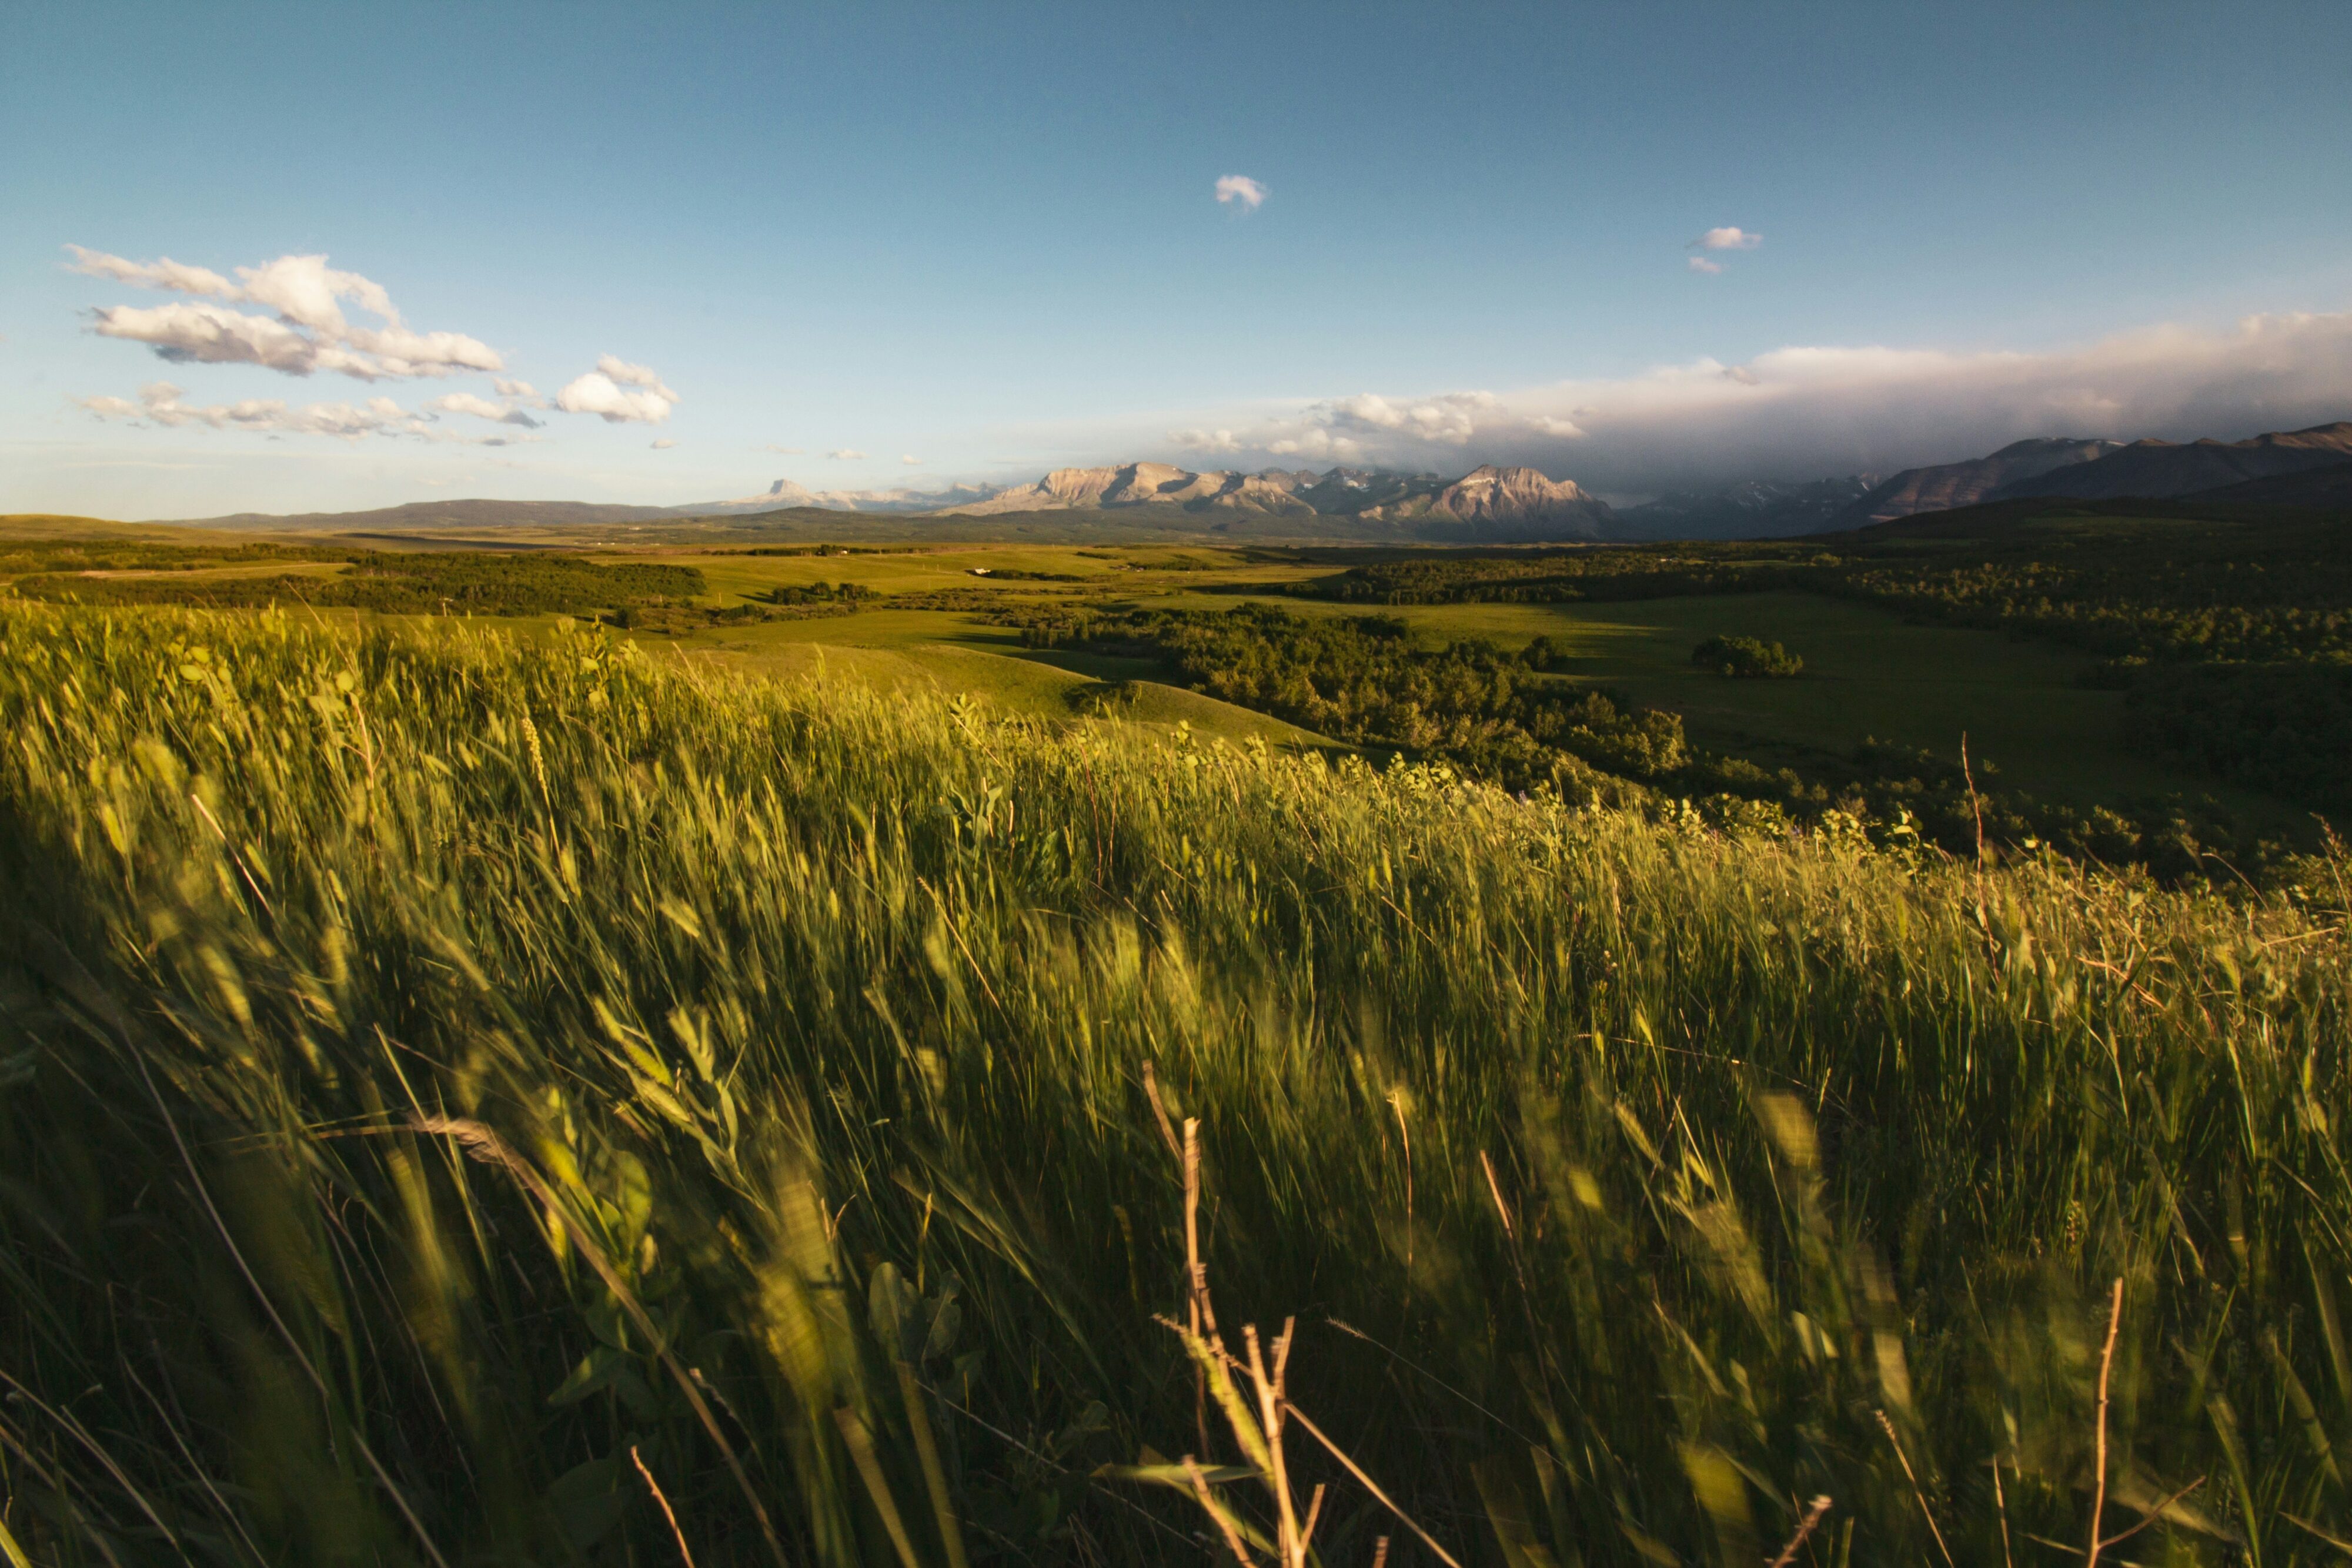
{"type": "Point", "coordinates": [1804, 412]}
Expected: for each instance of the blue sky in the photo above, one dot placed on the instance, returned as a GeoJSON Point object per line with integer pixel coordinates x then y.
{"type": "Point", "coordinates": [988, 237]}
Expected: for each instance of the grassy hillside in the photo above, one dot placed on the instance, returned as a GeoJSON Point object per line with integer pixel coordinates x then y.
{"type": "Point", "coordinates": [455, 1087]}
{"type": "Point", "coordinates": [2208, 774]}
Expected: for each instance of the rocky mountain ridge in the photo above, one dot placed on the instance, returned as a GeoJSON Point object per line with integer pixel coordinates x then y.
{"type": "Point", "coordinates": [2166, 470]}
{"type": "Point", "coordinates": [1490, 502]}
{"type": "Point", "coordinates": [1939, 488]}
{"type": "Point", "coordinates": [2258, 469]}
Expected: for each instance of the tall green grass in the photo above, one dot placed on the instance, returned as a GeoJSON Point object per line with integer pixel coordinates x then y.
{"type": "Point", "coordinates": [453, 1087]}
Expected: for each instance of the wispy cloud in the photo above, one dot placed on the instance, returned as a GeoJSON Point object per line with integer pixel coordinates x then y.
{"type": "Point", "coordinates": [481, 408]}
{"type": "Point", "coordinates": [307, 332]}
{"type": "Point", "coordinates": [162, 403]}
{"type": "Point", "coordinates": [1242, 191]}
{"type": "Point", "coordinates": [1209, 442]}
{"type": "Point", "coordinates": [1701, 263]}
{"type": "Point", "coordinates": [1727, 239]}
{"type": "Point", "coordinates": [911, 461]}
{"type": "Point", "coordinates": [663, 444]}
{"type": "Point", "coordinates": [787, 451]}
{"type": "Point", "coordinates": [846, 454]}
{"type": "Point", "coordinates": [619, 394]}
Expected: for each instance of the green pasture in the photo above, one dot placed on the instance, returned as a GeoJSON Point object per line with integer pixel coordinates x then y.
{"type": "Point", "coordinates": [2029, 720]}
{"type": "Point", "coordinates": [1869, 675]}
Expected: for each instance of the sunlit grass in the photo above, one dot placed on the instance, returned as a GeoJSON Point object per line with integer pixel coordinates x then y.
{"type": "Point", "coordinates": [444, 1074]}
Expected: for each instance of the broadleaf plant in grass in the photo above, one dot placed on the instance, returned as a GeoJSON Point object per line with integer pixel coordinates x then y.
{"type": "Point", "coordinates": [395, 1025]}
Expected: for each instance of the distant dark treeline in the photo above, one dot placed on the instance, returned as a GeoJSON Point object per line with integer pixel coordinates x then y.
{"type": "Point", "coordinates": [2232, 638]}
{"type": "Point", "coordinates": [1362, 680]}
{"type": "Point", "coordinates": [477, 582]}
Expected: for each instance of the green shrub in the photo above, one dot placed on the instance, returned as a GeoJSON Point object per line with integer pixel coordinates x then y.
{"type": "Point", "coordinates": [1747, 658]}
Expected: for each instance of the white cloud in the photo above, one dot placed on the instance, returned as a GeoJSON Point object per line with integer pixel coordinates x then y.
{"type": "Point", "coordinates": [208, 334]}
{"type": "Point", "coordinates": [310, 331]}
{"type": "Point", "coordinates": [481, 408]}
{"type": "Point", "coordinates": [159, 404]}
{"type": "Point", "coordinates": [1240, 189]}
{"type": "Point", "coordinates": [1317, 441]}
{"type": "Point", "coordinates": [630, 375]}
{"type": "Point", "coordinates": [1808, 411]}
{"type": "Point", "coordinates": [619, 393]}
{"type": "Point", "coordinates": [1728, 239]}
{"type": "Point", "coordinates": [1204, 441]}
{"type": "Point", "coordinates": [911, 461]}
{"type": "Point", "coordinates": [1450, 417]}
{"type": "Point", "coordinates": [787, 451]}
{"type": "Point", "coordinates": [164, 272]}
{"type": "Point", "coordinates": [846, 454]}
{"type": "Point", "coordinates": [1701, 263]}
{"type": "Point", "coordinates": [506, 387]}
{"type": "Point", "coordinates": [663, 444]}
{"type": "Point", "coordinates": [1369, 409]}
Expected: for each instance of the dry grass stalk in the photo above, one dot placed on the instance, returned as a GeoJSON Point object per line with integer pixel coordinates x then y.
{"type": "Point", "coordinates": [1405, 1135]}
{"type": "Point", "coordinates": [1209, 1503]}
{"type": "Point", "coordinates": [1196, 1278]}
{"type": "Point", "coordinates": [2000, 1502]}
{"type": "Point", "coordinates": [1160, 1108]}
{"type": "Point", "coordinates": [935, 1478]}
{"type": "Point", "coordinates": [1372, 1486]}
{"type": "Point", "coordinates": [1814, 1513]}
{"type": "Point", "coordinates": [2152, 1515]}
{"type": "Point", "coordinates": [669, 1513]}
{"type": "Point", "coordinates": [1260, 1432]}
{"type": "Point", "coordinates": [1910, 1475]}
{"type": "Point", "coordinates": [1496, 1188]}
{"type": "Point", "coordinates": [2099, 1481]}
{"type": "Point", "coordinates": [860, 1443]}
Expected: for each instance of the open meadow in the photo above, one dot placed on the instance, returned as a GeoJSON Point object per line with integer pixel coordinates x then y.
{"type": "Point", "coordinates": [691, 1057]}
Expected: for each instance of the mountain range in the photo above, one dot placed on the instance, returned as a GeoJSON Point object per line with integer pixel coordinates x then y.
{"type": "Point", "coordinates": [1751, 509]}
{"type": "Point", "coordinates": [1491, 504]}
{"type": "Point", "coordinates": [2283, 467]}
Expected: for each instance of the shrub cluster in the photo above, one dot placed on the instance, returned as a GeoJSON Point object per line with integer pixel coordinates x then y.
{"type": "Point", "coordinates": [1747, 658]}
